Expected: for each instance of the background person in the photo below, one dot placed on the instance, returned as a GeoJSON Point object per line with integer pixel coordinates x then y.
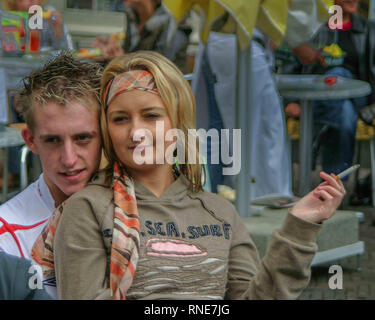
{"type": "Point", "coordinates": [215, 89]}
{"type": "Point", "coordinates": [341, 116]}
{"type": "Point", "coordinates": [54, 33]}
{"type": "Point", "coordinates": [150, 231]}
{"type": "Point", "coordinates": [147, 26]}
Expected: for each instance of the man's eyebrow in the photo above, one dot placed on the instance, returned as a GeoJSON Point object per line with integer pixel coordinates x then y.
{"type": "Point", "coordinates": [48, 136]}
{"type": "Point", "coordinates": [86, 133]}
{"type": "Point", "coordinates": [83, 133]}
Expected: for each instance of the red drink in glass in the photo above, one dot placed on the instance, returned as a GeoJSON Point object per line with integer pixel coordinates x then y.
{"type": "Point", "coordinates": [34, 40]}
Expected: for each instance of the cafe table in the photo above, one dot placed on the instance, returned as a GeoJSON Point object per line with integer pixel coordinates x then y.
{"type": "Point", "coordinates": [307, 89]}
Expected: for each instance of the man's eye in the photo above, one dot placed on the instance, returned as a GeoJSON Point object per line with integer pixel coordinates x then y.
{"type": "Point", "coordinates": [51, 140]}
{"type": "Point", "coordinates": [82, 138]}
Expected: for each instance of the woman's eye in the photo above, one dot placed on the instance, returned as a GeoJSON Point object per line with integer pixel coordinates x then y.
{"type": "Point", "coordinates": [119, 119]}
{"type": "Point", "coordinates": [152, 115]}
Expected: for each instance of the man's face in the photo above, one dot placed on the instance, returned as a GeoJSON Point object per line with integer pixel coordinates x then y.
{"type": "Point", "coordinates": [143, 7]}
{"type": "Point", "coordinates": [67, 139]}
{"type": "Point", "coordinates": [24, 5]}
{"type": "Point", "coordinates": [348, 6]}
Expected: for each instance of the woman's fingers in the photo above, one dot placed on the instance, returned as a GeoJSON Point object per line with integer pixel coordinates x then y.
{"type": "Point", "coordinates": [341, 184]}
{"type": "Point", "coordinates": [331, 180]}
{"type": "Point", "coordinates": [332, 191]}
{"type": "Point", "coordinates": [323, 194]}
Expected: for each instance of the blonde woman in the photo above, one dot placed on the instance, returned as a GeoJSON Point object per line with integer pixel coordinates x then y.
{"type": "Point", "coordinates": [149, 231]}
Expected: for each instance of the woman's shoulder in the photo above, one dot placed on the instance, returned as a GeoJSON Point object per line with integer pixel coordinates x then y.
{"type": "Point", "coordinates": [97, 194]}
{"type": "Point", "coordinates": [217, 204]}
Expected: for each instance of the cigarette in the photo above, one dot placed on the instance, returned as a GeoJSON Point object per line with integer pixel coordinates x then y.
{"type": "Point", "coordinates": [347, 172]}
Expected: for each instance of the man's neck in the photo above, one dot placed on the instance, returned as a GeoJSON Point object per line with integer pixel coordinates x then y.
{"type": "Point", "coordinates": [57, 195]}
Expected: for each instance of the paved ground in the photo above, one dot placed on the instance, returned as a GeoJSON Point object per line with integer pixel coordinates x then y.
{"type": "Point", "coordinates": [357, 284]}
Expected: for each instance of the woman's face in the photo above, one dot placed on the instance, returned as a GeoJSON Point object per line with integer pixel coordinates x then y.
{"type": "Point", "coordinates": [24, 5]}
{"type": "Point", "coordinates": [137, 124]}
{"type": "Point", "coordinates": [348, 6]}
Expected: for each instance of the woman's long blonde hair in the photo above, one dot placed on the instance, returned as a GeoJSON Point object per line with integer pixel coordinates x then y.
{"type": "Point", "coordinates": [177, 97]}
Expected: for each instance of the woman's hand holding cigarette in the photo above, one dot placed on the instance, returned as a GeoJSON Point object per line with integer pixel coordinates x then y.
{"type": "Point", "coordinates": [321, 203]}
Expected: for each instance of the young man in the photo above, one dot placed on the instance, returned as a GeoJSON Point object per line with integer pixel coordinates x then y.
{"type": "Point", "coordinates": [61, 109]}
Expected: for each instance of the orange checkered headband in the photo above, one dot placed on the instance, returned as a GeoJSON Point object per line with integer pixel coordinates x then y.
{"type": "Point", "coordinates": [129, 80]}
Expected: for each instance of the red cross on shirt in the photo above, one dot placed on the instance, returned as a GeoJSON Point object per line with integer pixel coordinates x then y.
{"type": "Point", "coordinates": [12, 228]}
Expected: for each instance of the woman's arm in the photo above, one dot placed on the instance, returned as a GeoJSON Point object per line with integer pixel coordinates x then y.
{"type": "Point", "coordinates": [285, 269]}
{"type": "Point", "coordinates": [283, 272]}
{"type": "Point", "coordinates": [80, 253]}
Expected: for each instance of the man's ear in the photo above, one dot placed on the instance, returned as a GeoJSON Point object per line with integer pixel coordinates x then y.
{"type": "Point", "coordinates": [28, 136]}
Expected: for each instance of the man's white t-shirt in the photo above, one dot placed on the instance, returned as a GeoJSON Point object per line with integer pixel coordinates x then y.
{"type": "Point", "coordinates": [23, 217]}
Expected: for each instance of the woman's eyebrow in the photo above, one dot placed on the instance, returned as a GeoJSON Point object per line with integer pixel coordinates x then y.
{"type": "Point", "coordinates": [153, 108]}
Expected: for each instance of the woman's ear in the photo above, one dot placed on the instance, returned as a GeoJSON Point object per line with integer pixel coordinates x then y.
{"type": "Point", "coordinates": [29, 138]}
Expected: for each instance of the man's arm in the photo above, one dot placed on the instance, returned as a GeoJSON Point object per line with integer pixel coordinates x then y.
{"type": "Point", "coordinates": [80, 254]}
{"type": "Point", "coordinates": [18, 281]}
{"type": "Point", "coordinates": [304, 20]}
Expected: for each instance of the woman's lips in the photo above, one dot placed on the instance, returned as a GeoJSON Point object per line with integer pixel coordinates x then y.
{"type": "Point", "coordinates": [140, 147]}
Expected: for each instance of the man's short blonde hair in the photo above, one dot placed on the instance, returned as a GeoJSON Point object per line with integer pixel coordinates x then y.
{"type": "Point", "coordinates": [62, 81]}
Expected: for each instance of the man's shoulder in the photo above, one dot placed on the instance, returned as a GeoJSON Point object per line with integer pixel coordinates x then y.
{"type": "Point", "coordinates": [21, 203]}
{"type": "Point", "coordinates": [12, 272]}
{"type": "Point", "coordinates": [96, 192]}
{"type": "Point", "coordinates": [9, 262]}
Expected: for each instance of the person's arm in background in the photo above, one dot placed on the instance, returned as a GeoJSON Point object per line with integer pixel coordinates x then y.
{"type": "Point", "coordinates": [56, 34]}
{"type": "Point", "coordinates": [305, 17]}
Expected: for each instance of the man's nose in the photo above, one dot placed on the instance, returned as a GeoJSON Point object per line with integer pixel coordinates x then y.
{"type": "Point", "coordinates": [69, 155]}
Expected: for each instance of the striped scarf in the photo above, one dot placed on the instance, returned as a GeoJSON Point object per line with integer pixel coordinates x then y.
{"type": "Point", "coordinates": [126, 229]}
{"type": "Point", "coordinates": [125, 238]}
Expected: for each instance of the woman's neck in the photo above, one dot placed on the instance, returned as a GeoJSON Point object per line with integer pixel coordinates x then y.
{"type": "Point", "coordinates": [157, 181]}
